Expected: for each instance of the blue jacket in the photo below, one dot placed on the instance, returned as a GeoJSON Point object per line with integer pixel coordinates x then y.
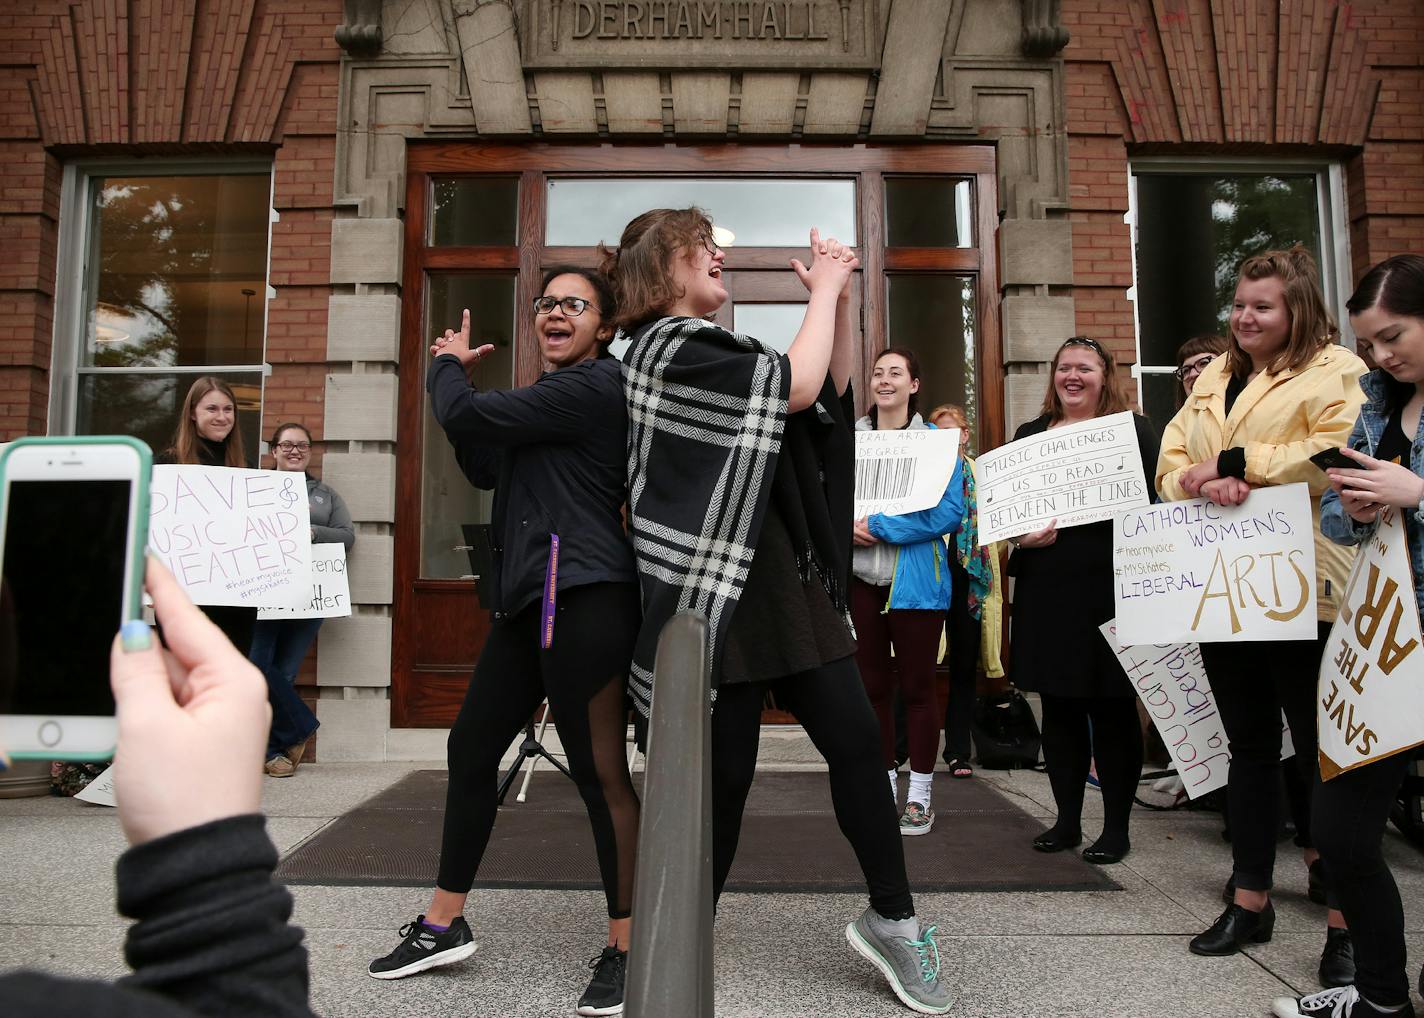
{"type": "Point", "coordinates": [922, 560]}
{"type": "Point", "coordinates": [1335, 523]}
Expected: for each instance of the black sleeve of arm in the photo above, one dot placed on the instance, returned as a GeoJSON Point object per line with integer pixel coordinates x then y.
{"type": "Point", "coordinates": [1149, 444]}
{"type": "Point", "coordinates": [552, 409]}
{"type": "Point", "coordinates": [212, 931]}
{"type": "Point", "coordinates": [1232, 462]}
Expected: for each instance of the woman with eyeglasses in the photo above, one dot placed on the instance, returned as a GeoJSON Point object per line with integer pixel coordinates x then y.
{"type": "Point", "coordinates": [279, 645]}
{"type": "Point", "coordinates": [1192, 358]}
{"type": "Point", "coordinates": [564, 606]}
{"type": "Point", "coordinates": [1062, 595]}
{"type": "Point", "coordinates": [1285, 390]}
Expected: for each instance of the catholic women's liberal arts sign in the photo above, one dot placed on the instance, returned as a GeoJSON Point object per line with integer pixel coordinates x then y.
{"type": "Point", "coordinates": [900, 472]}
{"type": "Point", "coordinates": [231, 536]}
{"type": "Point", "coordinates": [1079, 473]}
{"type": "Point", "coordinates": [1371, 701]}
{"type": "Point", "coordinates": [1193, 570]}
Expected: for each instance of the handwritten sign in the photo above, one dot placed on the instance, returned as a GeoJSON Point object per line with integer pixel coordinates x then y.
{"type": "Point", "coordinates": [1194, 570]}
{"type": "Point", "coordinates": [1079, 473]}
{"type": "Point", "coordinates": [900, 472]}
{"type": "Point", "coordinates": [1371, 702]}
{"type": "Point", "coordinates": [100, 791]}
{"type": "Point", "coordinates": [231, 536]}
{"type": "Point", "coordinates": [331, 594]}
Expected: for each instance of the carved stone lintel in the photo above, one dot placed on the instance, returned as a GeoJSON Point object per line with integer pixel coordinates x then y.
{"type": "Point", "coordinates": [1043, 31]}
{"type": "Point", "coordinates": [359, 34]}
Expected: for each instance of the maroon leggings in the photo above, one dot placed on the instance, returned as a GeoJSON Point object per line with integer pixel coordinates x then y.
{"type": "Point", "coordinates": [915, 636]}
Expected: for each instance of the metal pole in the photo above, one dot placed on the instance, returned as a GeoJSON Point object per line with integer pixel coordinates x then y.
{"type": "Point", "coordinates": [670, 961]}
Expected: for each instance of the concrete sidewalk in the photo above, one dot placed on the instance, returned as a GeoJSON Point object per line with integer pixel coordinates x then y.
{"type": "Point", "coordinates": [1038, 955]}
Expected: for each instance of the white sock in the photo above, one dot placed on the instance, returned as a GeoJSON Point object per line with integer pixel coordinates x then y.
{"type": "Point", "coordinates": [906, 928]}
{"type": "Point", "coordinates": [920, 788]}
{"type": "Point", "coordinates": [894, 787]}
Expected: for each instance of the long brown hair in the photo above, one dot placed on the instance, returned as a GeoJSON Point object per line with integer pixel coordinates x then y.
{"type": "Point", "coordinates": [641, 266]}
{"type": "Point", "coordinates": [1312, 326]}
{"type": "Point", "coordinates": [1112, 398]}
{"type": "Point", "coordinates": [185, 437]}
{"type": "Point", "coordinates": [912, 365]}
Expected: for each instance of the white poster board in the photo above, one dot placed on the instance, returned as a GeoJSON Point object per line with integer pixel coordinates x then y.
{"type": "Point", "coordinates": [232, 536]}
{"type": "Point", "coordinates": [899, 472]}
{"type": "Point", "coordinates": [1191, 571]}
{"type": "Point", "coordinates": [331, 594]}
{"type": "Point", "coordinates": [100, 791]}
{"type": "Point", "coordinates": [1079, 473]}
{"type": "Point", "coordinates": [1371, 701]}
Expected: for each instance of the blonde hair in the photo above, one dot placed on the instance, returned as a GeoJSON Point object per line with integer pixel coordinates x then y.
{"type": "Point", "coordinates": [954, 409]}
{"type": "Point", "coordinates": [640, 268]}
{"type": "Point", "coordinates": [185, 437]}
{"type": "Point", "coordinates": [1112, 398]}
{"type": "Point", "coordinates": [1312, 326]}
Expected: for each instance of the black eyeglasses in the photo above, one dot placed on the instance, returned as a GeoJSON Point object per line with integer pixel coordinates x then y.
{"type": "Point", "coordinates": [572, 306]}
{"type": "Point", "coordinates": [294, 446]}
{"type": "Point", "coordinates": [1197, 366]}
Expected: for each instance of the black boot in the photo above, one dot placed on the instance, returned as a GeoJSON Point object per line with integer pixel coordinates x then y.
{"type": "Point", "coordinates": [1337, 961]}
{"type": "Point", "coordinates": [1234, 927]}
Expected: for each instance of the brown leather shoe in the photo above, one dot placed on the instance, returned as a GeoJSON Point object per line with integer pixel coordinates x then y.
{"type": "Point", "coordinates": [280, 767]}
{"type": "Point", "coordinates": [295, 753]}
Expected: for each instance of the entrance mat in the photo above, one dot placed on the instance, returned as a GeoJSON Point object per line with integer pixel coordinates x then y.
{"type": "Point", "coordinates": [790, 842]}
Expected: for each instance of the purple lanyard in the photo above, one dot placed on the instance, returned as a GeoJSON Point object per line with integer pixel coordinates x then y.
{"type": "Point", "coordinates": [551, 585]}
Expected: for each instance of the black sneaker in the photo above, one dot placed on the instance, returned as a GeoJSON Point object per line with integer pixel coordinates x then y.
{"type": "Point", "coordinates": [1341, 1002]}
{"type": "Point", "coordinates": [424, 948]}
{"type": "Point", "coordinates": [605, 990]}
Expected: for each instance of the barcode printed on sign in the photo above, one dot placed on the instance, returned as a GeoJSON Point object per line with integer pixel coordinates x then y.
{"type": "Point", "coordinates": [878, 479]}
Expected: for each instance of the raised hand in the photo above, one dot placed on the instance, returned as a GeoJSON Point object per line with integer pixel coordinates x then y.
{"type": "Point", "coordinates": [831, 268]}
{"type": "Point", "coordinates": [458, 343]}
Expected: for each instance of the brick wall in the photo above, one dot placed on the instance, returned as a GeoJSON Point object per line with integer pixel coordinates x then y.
{"type": "Point", "coordinates": [1258, 78]}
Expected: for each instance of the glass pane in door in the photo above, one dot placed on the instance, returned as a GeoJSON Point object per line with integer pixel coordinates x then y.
{"type": "Point", "coordinates": [935, 316]}
{"type": "Point", "coordinates": [774, 324]}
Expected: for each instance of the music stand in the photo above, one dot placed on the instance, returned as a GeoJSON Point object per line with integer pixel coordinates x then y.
{"type": "Point", "coordinates": [477, 548]}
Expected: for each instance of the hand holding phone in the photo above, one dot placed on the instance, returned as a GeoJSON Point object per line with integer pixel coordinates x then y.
{"type": "Point", "coordinates": [1333, 459]}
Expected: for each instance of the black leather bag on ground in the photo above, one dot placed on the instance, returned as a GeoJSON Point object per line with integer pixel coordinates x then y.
{"type": "Point", "coordinates": [1004, 731]}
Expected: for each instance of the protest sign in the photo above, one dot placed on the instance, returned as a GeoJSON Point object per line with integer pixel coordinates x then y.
{"type": "Point", "coordinates": [1080, 473]}
{"type": "Point", "coordinates": [99, 791]}
{"type": "Point", "coordinates": [232, 536]}
{"type": "Point", "coordinates": [1369, 706]}
{"type": "Point", "coordinates": [331, 594]}
{"type": "Point", "coordinates": [900, 472]}
{"type": "Point", "coordinates": [1194, 570]}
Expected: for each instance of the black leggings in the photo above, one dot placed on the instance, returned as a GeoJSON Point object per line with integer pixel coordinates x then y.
{"type": "Point", "coordinates": [1351, 811]}
{"type": "Point", "coordinates": [1114, 745]}
{"type": "Point", "coordinates": [831, 704]}
{"type": "Point", "coordinates": [582, 674]}
{"type": "Point", "coordinates": [1253, 684]}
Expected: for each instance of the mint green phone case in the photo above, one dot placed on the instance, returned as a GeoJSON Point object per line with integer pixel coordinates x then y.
{"type": "Point", "coordinates": [133, 596]}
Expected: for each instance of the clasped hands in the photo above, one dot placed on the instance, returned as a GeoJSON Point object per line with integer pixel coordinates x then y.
{"type": "Point", "coordinates": [832, 266]}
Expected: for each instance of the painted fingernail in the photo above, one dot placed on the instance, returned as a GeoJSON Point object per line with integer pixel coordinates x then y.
{"type": "Point", "coordinates": [135, 635]}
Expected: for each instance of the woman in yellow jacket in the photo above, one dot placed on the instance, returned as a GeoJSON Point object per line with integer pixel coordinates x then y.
{"type": "Point", "coordinates": [1283, 391]}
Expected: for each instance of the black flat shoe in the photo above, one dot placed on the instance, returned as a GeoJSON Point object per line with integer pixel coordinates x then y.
{"type": "Point", "coordinates": [1234, 927]}
{"type": "Point", "coordinates": [1101, 855]}
{"type": "Point", "coordinates": [1052, 840]}
{"type": "Point", "coordinates": [1337, 961]}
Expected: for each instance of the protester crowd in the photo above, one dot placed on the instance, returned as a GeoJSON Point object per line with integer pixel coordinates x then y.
{"type": "Point", "coordinates": [734, 464]}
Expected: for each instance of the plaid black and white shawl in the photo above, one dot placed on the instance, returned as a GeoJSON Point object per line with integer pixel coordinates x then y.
{"type": "Point", "coordinates": [707, 410]}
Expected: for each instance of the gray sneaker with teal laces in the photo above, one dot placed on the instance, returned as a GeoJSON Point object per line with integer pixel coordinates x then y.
{"type": "Point", "coordinates": [911, 966]}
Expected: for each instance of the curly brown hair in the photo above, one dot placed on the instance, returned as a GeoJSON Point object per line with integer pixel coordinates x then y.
{"type": "Point", "coordinates": [641, 266]}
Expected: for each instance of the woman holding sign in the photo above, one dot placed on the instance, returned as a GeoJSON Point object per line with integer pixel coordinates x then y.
{"type": "Point", "coordinates": [1063, 594]}
{"type": "Point", "coordinates": [1284, 391]}
{"type": "Point", "coordinates": [279, 645]}
{"type": "Point", "coordinates": [900, 594]}
{"type": "Point", "coordinates": [1353, 807]}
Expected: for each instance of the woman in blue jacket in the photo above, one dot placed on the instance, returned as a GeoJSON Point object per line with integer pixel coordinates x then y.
{"type": "Point", "coordinates": [900, 595]}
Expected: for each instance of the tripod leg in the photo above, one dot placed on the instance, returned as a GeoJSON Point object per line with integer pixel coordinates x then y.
{"type": "Point", "coordinates": [523, 795]}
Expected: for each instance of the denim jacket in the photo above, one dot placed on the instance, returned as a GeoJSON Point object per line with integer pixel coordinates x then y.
{"type": "Point", "coordinates": [1336, 524]}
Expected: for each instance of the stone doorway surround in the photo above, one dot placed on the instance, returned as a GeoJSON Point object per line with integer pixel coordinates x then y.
{"type": "Point", "coordinates": [856, 70]}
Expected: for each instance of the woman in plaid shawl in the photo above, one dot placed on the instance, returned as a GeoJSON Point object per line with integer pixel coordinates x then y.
{"type": "Point", "coordinates": [740, 477]}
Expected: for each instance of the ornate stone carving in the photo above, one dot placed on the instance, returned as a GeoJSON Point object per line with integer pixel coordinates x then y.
{"type": "Point", "coordinates": [1043, 32]}
{"type": "Point", "coordinates": [360, 33]}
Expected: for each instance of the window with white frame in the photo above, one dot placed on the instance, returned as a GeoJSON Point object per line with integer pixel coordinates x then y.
{"type": "Point", "coordinates": [1193, 224]}
{"type": "Point", "coordinates": [163, 278]}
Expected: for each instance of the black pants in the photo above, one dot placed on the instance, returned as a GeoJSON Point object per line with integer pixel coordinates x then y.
{"type": "Point", "coordinates": [1253, 683]}
{"type": "Point", "coordinates": [1079, 731]}
{"type": "Point", "coordinates": [583, 675]}
{"type": "Point", "coordinates": [964, 633]}
{"type": "Point", "coordinates": [831, 704]}
{"type": "Point", "coordinates": [1350, 813]}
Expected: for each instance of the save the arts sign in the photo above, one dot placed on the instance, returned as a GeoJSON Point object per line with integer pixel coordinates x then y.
{"type": "Point", "coordinates": [1371, 702]}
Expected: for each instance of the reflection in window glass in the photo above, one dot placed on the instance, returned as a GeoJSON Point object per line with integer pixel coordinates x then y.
{"type": "Point", "coordinates": [935, 316]}
{"type": "Point", "coordinates": [448, 500]}
{"type": "Point", "coordinates": [146, 405]}
{"type": "Point", "coordinates": [928, 212]}
{"type": "Point", "coordinates": [774, 324]}
{"type": "Point", "coordinates": [759, 213]}
{"type": "Point", "coordinates": [1159, 398]}
{"type": "Point", "coordinates": [178, 270]}
{"type": "Point", "coordinates": [475, 210]}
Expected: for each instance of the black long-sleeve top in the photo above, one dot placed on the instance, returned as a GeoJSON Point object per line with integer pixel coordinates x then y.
{"type": "Point", "coordinates": [212, 936]}
{"type": "Point", "coordinates": [556, 454]}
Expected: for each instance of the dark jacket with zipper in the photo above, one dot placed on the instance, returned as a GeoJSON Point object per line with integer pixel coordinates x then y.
{"type": "Point", "coordinates": [556, 455]}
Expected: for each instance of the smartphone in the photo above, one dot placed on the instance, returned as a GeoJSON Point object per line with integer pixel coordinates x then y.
{"type": "Point", "coordinates": [1333, 459]}
{"type": "Point", "coordinates": [73, 529]}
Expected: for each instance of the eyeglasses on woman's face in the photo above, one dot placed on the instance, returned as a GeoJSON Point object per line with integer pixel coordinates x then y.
{"type": "Point", "coordinates": [1194, 367]}
{"type": "Point", "coordinates": [294, 446]}
{"type": "Point", "coordinates": [571, 306]}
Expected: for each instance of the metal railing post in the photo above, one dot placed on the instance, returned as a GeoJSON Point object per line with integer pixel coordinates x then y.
{"type": "Point", "coordinates": [670, 960]}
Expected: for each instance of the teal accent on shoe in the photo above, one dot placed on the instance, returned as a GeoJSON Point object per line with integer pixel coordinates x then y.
{"type": "Point", "coordinates": [925, 947]}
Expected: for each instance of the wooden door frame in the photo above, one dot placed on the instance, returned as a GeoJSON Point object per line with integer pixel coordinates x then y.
{"type": "Point", "coordinates": [533, 163]}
